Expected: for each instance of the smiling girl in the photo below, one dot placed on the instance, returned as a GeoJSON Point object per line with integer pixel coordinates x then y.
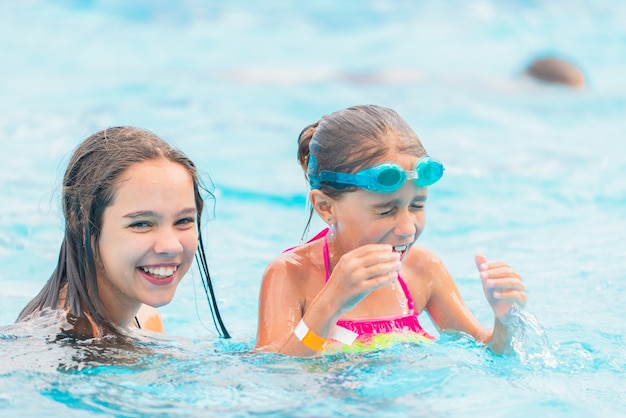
{"type": "Point", "coordinates": [132, 208]}
{"type": "Point", "coordinates": [364, 281]}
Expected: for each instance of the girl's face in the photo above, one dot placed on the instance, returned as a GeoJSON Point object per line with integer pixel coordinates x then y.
{"type": "Point", "coordinates": [148, 238]}
{"type": "Point", "coordinates": [398, 218]}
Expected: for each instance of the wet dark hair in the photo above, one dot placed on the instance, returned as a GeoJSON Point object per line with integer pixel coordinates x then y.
{"type": "Point", "coordinates": [352, 139]}
{"type": "Point", "coordinates": [89, 185]}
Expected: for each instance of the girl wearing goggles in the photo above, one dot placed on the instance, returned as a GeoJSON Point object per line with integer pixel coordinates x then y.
{"type": "Point", "coordinates": [362, 282]}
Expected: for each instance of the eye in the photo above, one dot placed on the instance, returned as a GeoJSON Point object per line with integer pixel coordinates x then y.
{"type": "Point", "coordinates": [387, 211]}
{"type": "Point", "coordinates": [140, 225]}
{"type": "Point", "coordinates": [186, 221]}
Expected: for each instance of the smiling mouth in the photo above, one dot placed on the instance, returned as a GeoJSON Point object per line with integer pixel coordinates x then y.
{"type": "Point", "coordinates": [160, 272]}
{"type": "Point", "coordinates": [402, 249]}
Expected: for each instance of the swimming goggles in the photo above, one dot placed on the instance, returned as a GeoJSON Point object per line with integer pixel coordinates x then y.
{"type": "Point", "coordinates": [382, 178]}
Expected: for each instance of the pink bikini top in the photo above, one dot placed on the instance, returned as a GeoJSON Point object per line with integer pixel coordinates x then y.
{"type": "Point", "coordinates": [369, 327]}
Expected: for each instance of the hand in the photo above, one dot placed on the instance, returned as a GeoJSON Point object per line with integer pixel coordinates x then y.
{"type": "Point", "coordinates": [360, 271]}
{"type": "Point", "coordinates": [503, 287]}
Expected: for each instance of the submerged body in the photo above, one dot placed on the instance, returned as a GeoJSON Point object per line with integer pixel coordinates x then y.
{"type": "Point", "coordinates": [132, 209]}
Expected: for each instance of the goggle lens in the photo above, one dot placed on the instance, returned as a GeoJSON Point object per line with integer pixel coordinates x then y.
{"type": "Point", "coordinates": [390, 177]}
{"type": "Point", "coordinates": [428, 172]}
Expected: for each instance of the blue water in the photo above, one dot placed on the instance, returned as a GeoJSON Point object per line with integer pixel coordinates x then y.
{"type": "Point", "coordinates": [534, 175]}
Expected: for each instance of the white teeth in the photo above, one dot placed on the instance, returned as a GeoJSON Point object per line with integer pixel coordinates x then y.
{"type": "Point", "coordinates": [160, 272]}
{"type": "Point", "coordinates": [400, 248]}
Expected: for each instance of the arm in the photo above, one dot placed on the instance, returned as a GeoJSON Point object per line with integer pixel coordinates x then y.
{"type": "Point", "coordinates": [503, 289]}
{"type": "Point", "coordinates": [293, 288]}
{"type": "Point", "coordinates": [443, 301]}
{"type": "Point", "coordinates": [282, 300]}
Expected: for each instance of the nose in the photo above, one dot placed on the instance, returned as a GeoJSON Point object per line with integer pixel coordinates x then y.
{"type": "Point", "coordinates": [406, 225]}
{"type": "Point", "coordinates": [168, 243]}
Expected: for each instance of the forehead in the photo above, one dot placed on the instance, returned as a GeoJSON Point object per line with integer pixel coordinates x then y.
{"type": "Point", "coordinates": [149, 168]}
{"type": "Point", "coordinates": [153, 176]}
{"type": "Point", "coordinates": [404, 160]}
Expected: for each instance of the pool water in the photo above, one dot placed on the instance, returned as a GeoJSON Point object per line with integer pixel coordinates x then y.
{"type": "Point", "coordinates": [534, 176]}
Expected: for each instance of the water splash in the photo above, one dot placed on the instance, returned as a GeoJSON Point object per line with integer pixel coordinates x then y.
{"type": "Point", "coordinates": [530, 341]}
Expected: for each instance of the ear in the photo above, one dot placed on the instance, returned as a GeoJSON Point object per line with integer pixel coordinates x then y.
{"type": "Point", "coordinates": [323, 205]}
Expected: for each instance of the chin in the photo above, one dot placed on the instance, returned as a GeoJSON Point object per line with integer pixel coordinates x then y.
{"type": "Point", "coordinates": [157, 302]}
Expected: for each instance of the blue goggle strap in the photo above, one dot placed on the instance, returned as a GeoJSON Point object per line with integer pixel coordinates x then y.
{"type": "Point", "coordinates": [426, 172]}
{"type": "Point", "coordinates": [365, 179]}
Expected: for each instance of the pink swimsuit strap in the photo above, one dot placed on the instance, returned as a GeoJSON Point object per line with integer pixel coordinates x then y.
{"type": "Point", "coordinates": [368, 327]}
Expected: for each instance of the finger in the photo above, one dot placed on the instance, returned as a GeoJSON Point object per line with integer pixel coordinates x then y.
{"type": "Point", "coordinates": [511, 296]}
{"type": "Point", "coordinates": [381, 280]}
{"type": "Point", "coordinates": [374, 254]}
{"type": "Point", "coordinates": [373, 271]}
{"type": "Point", "coordinates": [372, 257]}
{"type": "Point", "coordinates": [500, 273]}
{"type": "Point", "coordinates": [481, 262]}
{"type": "Point", "coordinates": [502, 285]}
{"type": "Point", "coordinates": [372, 249]}
{"type": "Point", "coordinates": [496, 264]}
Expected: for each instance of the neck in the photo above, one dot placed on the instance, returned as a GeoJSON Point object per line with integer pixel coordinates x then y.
{"type": "Point", "coordinates": [333, 251]}
{"type": "Point", "coordinates": [123, 318]}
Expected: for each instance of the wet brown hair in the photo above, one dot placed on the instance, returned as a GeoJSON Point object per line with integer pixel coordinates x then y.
{"type": "Point", "coordinates": [89, 185]}
{"type": "Point", "coordinates": [352, 139]}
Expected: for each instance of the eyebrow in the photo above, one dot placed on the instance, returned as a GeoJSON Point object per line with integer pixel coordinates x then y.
{"type": "Point", "coordinates": [393, 202]}
{"type": "Point", "coordinates": [153, 214]}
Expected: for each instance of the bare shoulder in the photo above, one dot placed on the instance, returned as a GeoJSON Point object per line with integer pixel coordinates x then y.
{"type": "Point", "coordinates": [422, 259]}
{"type": "Point", "coordinates": [297, 271]}
{"type": "Point", "coordinates": [149, 318]}
{"type": "Point", "coordinates": [425, 275]}
{"type": "Point", "coordinates": [296, 261]}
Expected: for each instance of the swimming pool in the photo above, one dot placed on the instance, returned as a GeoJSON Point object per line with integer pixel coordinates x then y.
{"type": "Point", "coordinates": [534, 175]}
